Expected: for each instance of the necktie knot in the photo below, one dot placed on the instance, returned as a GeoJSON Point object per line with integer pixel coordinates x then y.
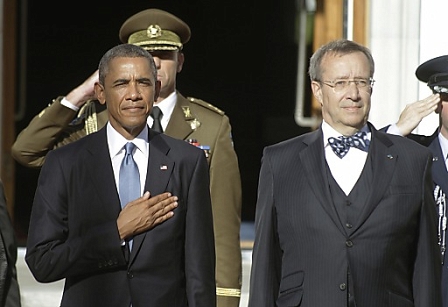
{"type": "Point", "coordinates": [156, 114]}
{"type": "Point", "coordinates": [342, 144]}
{"type": "Point", "coordinates": [129, 148]}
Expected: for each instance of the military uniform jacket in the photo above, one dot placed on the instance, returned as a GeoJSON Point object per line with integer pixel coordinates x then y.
{"type": "Point", "coordinates": [192, 118]}
{"type": "Point", "coordinates": [440, 178]}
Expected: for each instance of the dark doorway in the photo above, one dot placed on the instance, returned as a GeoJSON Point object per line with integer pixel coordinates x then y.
{"type": "Point", "coordinates": [242, 57]}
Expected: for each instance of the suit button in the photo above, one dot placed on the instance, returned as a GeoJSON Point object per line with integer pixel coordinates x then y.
{"type": "Point", "coordinates": [130, 275]}
{"type": "Point", "coordinates": [348, 203]}
{"type": "Point", "coordinates": [348, 225]}
{"type": "Point", "coordinates": [349, 243]}
{"type": "Point", "coordinates": [343, 286]}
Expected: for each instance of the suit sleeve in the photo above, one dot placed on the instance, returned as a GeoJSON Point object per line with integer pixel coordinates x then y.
{"type": "Point", "coordinates": [199, 244]}
{"type": "Point", "coordinates": [11, 293]}
{"type": "Point", "coordinates": [58, 246]}
{"type": "Point", "coordinates": [427, 274]}
{"type": "Point", "coordinates": [47, 130]}
{"type": "Point", "coordinates": [266, 265]}
{"type": "Point", "coordinates": [225, 187]}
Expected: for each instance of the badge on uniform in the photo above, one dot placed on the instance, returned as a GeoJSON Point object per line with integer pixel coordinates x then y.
{"type": "Point", "coordinates": [205, 148]}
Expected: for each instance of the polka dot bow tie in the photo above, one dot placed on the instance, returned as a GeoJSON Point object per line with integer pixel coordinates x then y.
{"type": "Point", "coordinates": [342, 144]}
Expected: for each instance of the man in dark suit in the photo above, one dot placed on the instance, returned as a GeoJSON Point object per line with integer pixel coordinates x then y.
{"type": "Point", "coordinates": [9, 286]}
{"type": "Point", "coordinates": [345, 214]}
{"type": "Point", "coordinates": [194, 120]}
{"type": "Point", "coordinates": [113, 256]}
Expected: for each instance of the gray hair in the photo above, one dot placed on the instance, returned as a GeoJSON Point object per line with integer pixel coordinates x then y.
{"type": "Point", "coordinates": [342, 47]}
{"type": "Point", "coordinates": [124, 51]}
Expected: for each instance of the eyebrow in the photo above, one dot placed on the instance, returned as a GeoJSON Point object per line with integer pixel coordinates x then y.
{"type": "Point", "coordinates": [124, 80]}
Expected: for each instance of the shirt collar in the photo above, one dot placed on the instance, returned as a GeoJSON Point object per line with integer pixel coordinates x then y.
{"type": "Point", "coordinates": [328, 131]}
{"type": "Point", "coordinates": [443, 145]}
{"type": "Point", "coordinates": [116, 141]}
{"type": "Point", "coordinates": [167, 105]}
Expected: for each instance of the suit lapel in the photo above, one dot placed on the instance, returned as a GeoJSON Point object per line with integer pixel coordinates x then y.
{"type": "Point", "coordinates": [314, 163]}
{"type": "Point", "coordinates": [383, 162]}
{"type": "Point", "coordinates": [439, 172]}
{"type": "Point", "coordinates": [160, 168]}
{"type": "Point", "coordinates": [101, 170]}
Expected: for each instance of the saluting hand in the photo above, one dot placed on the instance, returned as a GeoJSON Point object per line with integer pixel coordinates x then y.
{"type": "Point", "coordinates": [145, 213]}
{"type": "Point", "coordinates": [84, 92]}
{"type": "Point", "coordinates": [413, 113]}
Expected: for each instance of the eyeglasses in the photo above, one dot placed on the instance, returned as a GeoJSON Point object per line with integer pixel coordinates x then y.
{"type": "Point", "coordinates": [340, 85]}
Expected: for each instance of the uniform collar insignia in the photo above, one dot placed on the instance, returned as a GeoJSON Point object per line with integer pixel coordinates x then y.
{"type": "Point", "coordinates": [194, 124]}
{"type": "Point", "coordinates": [187, 112]}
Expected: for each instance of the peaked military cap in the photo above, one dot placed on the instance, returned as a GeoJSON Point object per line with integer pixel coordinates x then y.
{"type": "Point", "coordinates": [154, 29]}
{"type": "Point", "coordinates": [435, 73]}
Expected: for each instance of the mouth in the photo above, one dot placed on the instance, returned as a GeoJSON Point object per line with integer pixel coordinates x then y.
{"type": "Point", "coordinates": [132, 109]}
{"type": "Point", "coordinates": [352, 108]}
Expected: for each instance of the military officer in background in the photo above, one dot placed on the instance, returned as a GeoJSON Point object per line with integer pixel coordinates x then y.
{"type": "Point", "coordinates": [77, 114]}
{"type": "Point", "coordinates": [434, 73]}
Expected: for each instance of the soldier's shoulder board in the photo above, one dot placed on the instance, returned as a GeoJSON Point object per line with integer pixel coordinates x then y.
{"type": "Point", "coordinates": [205, 104]}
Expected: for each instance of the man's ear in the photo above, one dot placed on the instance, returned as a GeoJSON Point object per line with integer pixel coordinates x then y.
{"type": "Point", "coordinates": [99, 92]}
{"type": "Point", "coordinates": [317, 91]}
{"type": "Point", "coordinates": [439, 108]}
{"type": "Point", "coordinates": [180, 61]}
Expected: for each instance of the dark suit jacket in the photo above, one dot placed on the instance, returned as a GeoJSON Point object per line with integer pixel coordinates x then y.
{"type": "Point", "coordinates": [302, 251]}
{"type": "Point", "coordinates": [73, 232]}
{"type": "Point", "coordinates": [9, 287]}
{"type": "Point", "coordinates": [191, 119]}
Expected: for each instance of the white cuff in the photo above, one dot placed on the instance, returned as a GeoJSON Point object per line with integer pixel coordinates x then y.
{"type": "Point", "coordinates": [393, 129]}
{"type": "Point", "coordinates": [69, 105]}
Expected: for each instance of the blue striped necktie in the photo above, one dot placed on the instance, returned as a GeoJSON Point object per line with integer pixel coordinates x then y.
{"type": "Point", "coordinates": [129, 181]}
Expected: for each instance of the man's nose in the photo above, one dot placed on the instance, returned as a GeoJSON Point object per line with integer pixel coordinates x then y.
{"type": "Point", "coordinates": [157, 61]}
{"type": "Point", "coordinates": [134, 92]}
{"type": "Point", "coordinates": [352, 90]}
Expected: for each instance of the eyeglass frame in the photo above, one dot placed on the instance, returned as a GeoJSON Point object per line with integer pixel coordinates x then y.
{"type": "Point", "coordinates": [369, 83]}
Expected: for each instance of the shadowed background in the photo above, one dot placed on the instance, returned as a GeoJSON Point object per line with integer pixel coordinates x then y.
{"type": "Point", "coordinates": [242, 58]}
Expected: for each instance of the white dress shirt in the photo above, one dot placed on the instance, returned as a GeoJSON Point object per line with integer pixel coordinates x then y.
{"type": "Point", "coordinates": [345, 171]}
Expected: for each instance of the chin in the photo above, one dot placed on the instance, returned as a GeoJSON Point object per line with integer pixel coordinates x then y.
{"type": "Point", "coordinates": [133, 124]}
